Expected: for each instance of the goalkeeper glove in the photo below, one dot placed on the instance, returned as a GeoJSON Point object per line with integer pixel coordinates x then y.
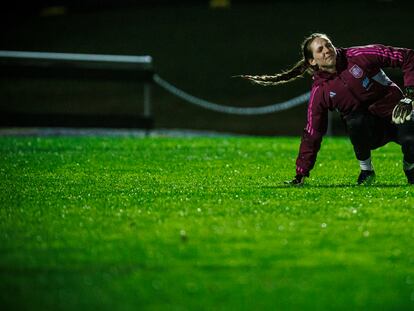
{"type": "Point", "coordinates": [409, 92]}
{"type": "Point", "coordinates": [402, 111]}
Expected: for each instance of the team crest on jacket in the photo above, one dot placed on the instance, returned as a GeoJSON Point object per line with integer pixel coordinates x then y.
{"type": "Point", "coordinates": [356, 71]}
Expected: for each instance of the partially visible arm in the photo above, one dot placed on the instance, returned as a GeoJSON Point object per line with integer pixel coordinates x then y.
{"type": "Point", "coordinates": [386, 56]}
{"type": "Point", "coordinates": [317, 123]}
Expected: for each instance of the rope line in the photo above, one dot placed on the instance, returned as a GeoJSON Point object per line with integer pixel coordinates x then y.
{"type": "Point", "coordinates": [296, 101]}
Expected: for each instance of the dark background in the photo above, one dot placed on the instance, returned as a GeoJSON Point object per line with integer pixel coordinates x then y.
{"type": "Point", "coordinates": [195, 47]}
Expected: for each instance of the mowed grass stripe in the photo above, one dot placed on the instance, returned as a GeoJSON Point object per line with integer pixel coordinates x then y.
{"type": "Point", "coordinates": [200, 223]}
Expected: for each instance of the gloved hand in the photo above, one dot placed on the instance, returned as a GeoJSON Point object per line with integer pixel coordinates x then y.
{"type": "Point", "coordinates": [297, 181]}
{"type": "Point", "coordinates": [402, 111]}
{"type": "Point", "coordinates": [409, 92]}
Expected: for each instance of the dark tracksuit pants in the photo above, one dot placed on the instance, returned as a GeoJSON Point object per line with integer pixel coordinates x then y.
{"type": "Point", "coordinates": [368, 132]}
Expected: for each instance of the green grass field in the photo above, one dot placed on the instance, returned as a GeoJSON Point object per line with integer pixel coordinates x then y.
{"type": "Point", "coordinates": [101, 223]}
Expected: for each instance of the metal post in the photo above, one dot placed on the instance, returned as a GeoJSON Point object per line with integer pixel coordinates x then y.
{"type": "Point", "coordinates": [147, 100]}
{"type": "Point", "coordinates": [147, 105]}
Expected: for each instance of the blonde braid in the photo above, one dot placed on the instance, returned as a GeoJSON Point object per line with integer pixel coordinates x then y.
{"type": "Point", "coordinates": [286, 76]}
{"type": "Point", "coordinates": [298, 70]}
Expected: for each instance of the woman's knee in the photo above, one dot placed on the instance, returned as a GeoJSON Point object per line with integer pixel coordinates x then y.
{"type": "Point", "coordinates": [407, 145]}
{"type": "Point", "coordinates": [358, 129]}
{"type": "Point", "coordinates": [356, 123]}
{"type": "Point", "coordinates": [407, 140]}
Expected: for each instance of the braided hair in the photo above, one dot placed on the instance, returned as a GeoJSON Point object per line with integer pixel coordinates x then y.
{"type": "Point", "coordinates": [298, 70]}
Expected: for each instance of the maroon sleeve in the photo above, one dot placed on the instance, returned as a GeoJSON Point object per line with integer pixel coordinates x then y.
{"type": "Point", "coordinates": [316, 127]}
{"type": "Point", "coordinates": [386, 56]}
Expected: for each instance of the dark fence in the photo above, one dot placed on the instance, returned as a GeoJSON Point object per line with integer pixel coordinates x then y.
{"type": "Point", "coordinates": [35, 65]}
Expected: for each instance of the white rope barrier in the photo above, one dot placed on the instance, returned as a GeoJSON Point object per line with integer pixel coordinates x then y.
{"type": "Point", "coordinates": [296, 101]}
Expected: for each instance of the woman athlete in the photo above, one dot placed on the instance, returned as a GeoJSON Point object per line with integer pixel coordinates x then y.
{"type": "Point", "coordinates": [351, 81]}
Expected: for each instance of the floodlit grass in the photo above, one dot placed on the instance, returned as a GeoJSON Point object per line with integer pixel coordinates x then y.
{"type": "Point", "coordinates": [201, 224]}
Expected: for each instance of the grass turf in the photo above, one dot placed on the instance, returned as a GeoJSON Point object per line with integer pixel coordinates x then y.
{"type": "Point", "coordinates": [205, 223]}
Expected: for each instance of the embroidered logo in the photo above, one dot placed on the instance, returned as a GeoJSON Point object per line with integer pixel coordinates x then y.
{"type": "Point", "coordinates": [356, 71]}
{"type": "Point", "coordinates": [332, 94]}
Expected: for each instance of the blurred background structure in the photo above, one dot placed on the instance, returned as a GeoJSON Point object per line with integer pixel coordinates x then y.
{"type": "Point", "coordinates": [195, 45]}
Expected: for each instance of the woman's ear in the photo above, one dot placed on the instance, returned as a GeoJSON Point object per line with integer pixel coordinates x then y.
{"type": "Point", "coordinates": [312, 62]}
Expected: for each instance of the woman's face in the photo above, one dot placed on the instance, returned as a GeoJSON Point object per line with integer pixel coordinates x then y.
{"type": "Point", "coordinates": [324, 54]}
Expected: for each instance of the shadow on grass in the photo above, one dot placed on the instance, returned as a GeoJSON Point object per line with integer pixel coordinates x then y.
{"type": "Point", "coordinates": [307, 186]}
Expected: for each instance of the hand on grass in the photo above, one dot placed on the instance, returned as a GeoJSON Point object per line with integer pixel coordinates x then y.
{"type": "Point", "coordinates": [299, 180]}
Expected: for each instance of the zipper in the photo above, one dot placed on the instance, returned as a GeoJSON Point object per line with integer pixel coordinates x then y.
{"type": "Point", "coordinates": [349, 89]}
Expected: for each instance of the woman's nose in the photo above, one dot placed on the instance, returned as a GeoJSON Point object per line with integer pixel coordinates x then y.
{"type": "Point", "coordinates": [326, 50]}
